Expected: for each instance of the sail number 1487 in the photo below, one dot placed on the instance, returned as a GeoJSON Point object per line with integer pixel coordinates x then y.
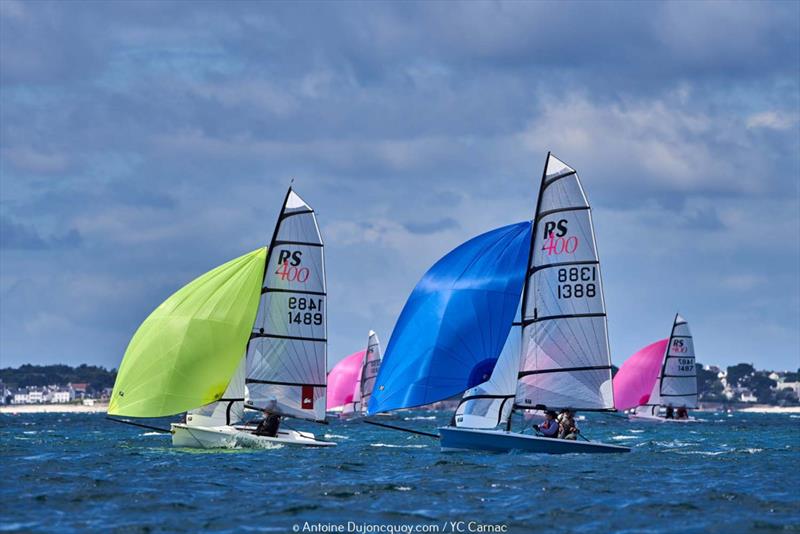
{"type": "Point", "coordinates": [577, 282]}
{"type": "Point", "coordinates": [304, 310]}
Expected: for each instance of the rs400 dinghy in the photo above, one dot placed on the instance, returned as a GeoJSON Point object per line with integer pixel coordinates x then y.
{"type": "Point", "coordinates": [514, 319]}
{"type": "Point", "coordinates": [250, 331]}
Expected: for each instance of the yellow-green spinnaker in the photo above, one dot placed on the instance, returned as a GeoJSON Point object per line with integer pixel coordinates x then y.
{"type": "Point", "coordinates": [186, 351]}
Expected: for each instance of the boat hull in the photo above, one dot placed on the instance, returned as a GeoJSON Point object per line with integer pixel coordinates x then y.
{"type": "Point", "coordinates": [229, 437]}
{"type": "Point", "coordinates": [455, 439]}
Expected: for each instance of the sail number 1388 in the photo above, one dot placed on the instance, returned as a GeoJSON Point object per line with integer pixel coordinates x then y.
{"type": "Point", "coordinates": [577, 282]}
{"type": "Point", "coordinates": [305, 311]}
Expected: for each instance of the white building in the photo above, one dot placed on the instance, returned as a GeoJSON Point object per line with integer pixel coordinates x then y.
{"type": "Point", "coordinates": [61, 396]}
{"type": "Point", "coordinates": [747, 396]}
{"type": "Point", "coordinates": [21, 397]}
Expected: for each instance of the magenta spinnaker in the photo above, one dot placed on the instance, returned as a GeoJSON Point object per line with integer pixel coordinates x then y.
{"type": "Point", "coordinates": [634, 380]}
{"type": "Point", "coordinates": [343, 379]}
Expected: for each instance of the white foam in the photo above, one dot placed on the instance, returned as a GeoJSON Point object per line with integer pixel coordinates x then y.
{"type": "Point", "coordinates": [391, 446]}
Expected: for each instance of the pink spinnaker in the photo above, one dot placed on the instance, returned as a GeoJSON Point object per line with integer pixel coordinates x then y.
{"type": "Point", "coordinates": [634, 380]}
{"type": "Point", "coordinates": [342, 380]}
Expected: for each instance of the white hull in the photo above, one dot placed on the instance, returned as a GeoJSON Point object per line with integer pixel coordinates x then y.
{"type": "Point", "coordinates": [457, 439]}
{"type": "Point", "coordinates": [229, 437]}
{"type": "Point", "coordinates": [658, 419]}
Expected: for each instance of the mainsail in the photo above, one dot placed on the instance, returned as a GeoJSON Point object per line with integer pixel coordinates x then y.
{"type": "Point", "coordinates": [369, 371]}
{"type": "Point", "coordinates": [184, 354]}
{"type": "Point", "coordinates": [633, 383]}
{"type": "Point", "coordinates": [677, 380]}
{"type": "Point", "coordinates": [565, 360]}
{"type": "Point", "coordinates": [287, 352]}
{"type": "Point", "coordinates": [455, 323]}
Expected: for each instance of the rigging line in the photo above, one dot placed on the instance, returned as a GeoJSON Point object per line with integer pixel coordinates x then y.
{"type": "Point", "coordinates": [141, 425]}
{"type": "Point", "coordinates": [393, 427]}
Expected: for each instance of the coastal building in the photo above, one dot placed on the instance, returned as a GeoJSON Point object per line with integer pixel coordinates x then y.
{"type": "Point", "coordinates": [79, 389]}
{"type": "Point", "coordinates": [21, 396]}
{"type": "Point", "coordinates": [745, 395]}
{"type": "Point", "coordinates": [61, 395]}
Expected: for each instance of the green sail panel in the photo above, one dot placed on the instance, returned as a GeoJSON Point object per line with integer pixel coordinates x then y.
{"type": "Point", "coordinates": [185, 353]}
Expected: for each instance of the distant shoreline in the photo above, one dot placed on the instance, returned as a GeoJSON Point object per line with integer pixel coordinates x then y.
{"type": "Point", "coordinates": [14, 409]}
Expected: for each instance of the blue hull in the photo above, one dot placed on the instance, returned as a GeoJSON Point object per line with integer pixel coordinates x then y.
{"type": "Point", "coordinates": [454, 438]}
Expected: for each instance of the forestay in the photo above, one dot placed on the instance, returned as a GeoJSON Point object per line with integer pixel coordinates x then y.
{"type": "Point", "coordinates": [455, 322]}
{"type": "Point", "coordinates": [565, 354]}
{"type": "Point", "coordinates": [287, 353]}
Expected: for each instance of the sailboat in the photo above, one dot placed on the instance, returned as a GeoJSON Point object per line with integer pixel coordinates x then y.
{"type": "Point", "coordinates": [250, 334]}
{"type": "Point", "coordinates": [350, 382]}
{"type": "Point", "coordinates": [515, 318]}
{"type": "Point", "coordinates": [661, 375]}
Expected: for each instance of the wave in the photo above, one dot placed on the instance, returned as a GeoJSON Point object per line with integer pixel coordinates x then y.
{"type": "Point", "coordinates": [391, 446]}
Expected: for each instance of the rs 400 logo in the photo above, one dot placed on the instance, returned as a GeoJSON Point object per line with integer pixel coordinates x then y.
{"type": "Point", "coordinates": [290, 268]}
{"type": "Point", "coordinates": [555, 238]}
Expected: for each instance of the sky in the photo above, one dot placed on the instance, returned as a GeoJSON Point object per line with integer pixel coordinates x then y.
{"type": "Point", "coordinates": [144, 143]}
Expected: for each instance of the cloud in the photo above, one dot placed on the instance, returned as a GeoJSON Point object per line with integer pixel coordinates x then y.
{"type": "Point", "coordinates": [18, 236]}
{"type": "Point", "coordinates": [773, 120]}
{"type": "Point", "coordinates": [432, 227]}
{"type": "Point", "coordinates": [143, 143]}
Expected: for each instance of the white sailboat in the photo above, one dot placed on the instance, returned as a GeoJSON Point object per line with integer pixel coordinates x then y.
{"type": "Point", "coordinates": [676, 385]}
{"type": "Point", "coordinates": [557, 354]}
{"type": "Point", "coordinates": [368, 374]}
{"type": "Point", "coordinates": [263, 317]}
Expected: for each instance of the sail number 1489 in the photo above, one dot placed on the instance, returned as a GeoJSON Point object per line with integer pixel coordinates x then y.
{"type": "Point", "coordinates": [577, 282]}
{"type": "Point", "coordinates": [305, 311]}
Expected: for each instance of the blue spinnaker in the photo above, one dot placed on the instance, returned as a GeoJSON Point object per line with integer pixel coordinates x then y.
{"type": "Point", "coordinates": [455, 322]}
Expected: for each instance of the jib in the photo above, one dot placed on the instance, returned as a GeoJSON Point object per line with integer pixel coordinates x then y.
{"type": "Point", "coordinates": [560, 226]}
{"type": "Point", "coordinates": [286, 254]}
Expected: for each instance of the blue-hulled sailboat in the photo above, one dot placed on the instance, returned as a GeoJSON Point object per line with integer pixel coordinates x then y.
{"type": "Point", "coordinates": [515, 318]}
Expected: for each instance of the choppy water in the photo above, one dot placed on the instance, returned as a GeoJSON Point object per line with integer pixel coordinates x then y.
{"type": "Point", "coordinates": [734, 473]}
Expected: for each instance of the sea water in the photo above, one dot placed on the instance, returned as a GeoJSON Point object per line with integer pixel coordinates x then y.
{"type": "Point", "coordinates": [728, 473]}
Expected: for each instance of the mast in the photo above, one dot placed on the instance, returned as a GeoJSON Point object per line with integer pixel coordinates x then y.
{"type": "Point", "coordinates": [528, 268]}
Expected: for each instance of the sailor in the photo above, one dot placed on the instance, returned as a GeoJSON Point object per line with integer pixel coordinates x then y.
{"type": "Point", "coordinates": [567, 427]}
{"type": "Point", "coordinates": [271, 423]}
{"type": "Point", "coordinates": [670, 412]}
{"type": "Point", "coordinates": [549, 428]}
{"type": "Point", "coordinates": [682, 413]}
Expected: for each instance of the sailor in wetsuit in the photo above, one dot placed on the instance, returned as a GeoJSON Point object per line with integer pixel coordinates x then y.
{"type": "Point", "coordinates": [269, 425]}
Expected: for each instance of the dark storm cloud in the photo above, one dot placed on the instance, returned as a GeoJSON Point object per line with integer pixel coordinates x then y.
{"type": "Point", "coordinates": [160, 137]}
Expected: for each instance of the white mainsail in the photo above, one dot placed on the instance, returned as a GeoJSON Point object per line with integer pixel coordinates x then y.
{"type": "Point", "coordinates": [229, 409]}
{"type": "Point", "coordinates": [369, 371]}
{"type": "Point", "coordinates": [565, 361]}
{"type": "Point", "coordinates": [676, 384]}
{"type": "Point", "coordinates": [287, 352]}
